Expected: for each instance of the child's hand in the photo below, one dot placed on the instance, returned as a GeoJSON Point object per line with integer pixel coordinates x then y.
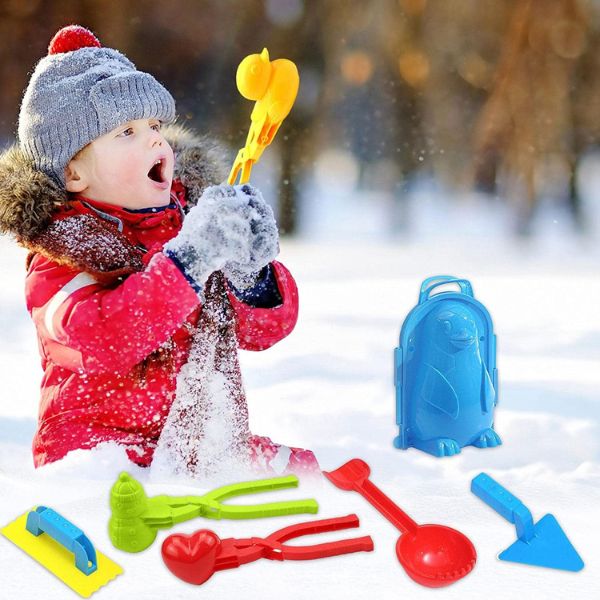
{"type": "Point", "coordinates": [263, 242]}
{"type": "Point", "coordinates": [230, 225]}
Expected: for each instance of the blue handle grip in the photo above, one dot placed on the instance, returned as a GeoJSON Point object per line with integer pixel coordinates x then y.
{"type": "Point", "coordinates": [504, 503]}
{"type": "Point", "coordinates": [432, 282]}
{"type": "Point", "coordinates": [45, 520]}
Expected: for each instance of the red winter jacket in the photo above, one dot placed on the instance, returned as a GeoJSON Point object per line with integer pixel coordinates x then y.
{"type": "Point", "coordinates": [92, 335]}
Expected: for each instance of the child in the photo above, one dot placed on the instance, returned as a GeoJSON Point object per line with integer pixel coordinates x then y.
{"type": "Point", "coordinates": [123, 235]}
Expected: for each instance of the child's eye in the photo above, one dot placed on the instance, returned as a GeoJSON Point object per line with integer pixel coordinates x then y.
{"type": "Point", "coordinates": [156, 126]}
{"type": "Point", "coordinates": [125, 132]}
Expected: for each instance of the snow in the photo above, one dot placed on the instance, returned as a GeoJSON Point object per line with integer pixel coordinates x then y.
{"type": "Point", "coordinates": [207, 426]}
{"type": "Point", "coordinates": [328, 387]}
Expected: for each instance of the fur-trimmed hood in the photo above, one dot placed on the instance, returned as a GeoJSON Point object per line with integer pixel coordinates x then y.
{"type": "Point", "coordinates": [28, 197]}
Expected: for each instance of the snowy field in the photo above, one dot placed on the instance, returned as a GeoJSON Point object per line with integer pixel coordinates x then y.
{"type": "Point", "coordinates": [329, 387]}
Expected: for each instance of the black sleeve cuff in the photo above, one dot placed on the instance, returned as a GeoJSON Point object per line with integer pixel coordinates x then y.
{"type": "Point", "coordinates": [263, 294]}
{"type": "Point", "coordinates": [180, 266]}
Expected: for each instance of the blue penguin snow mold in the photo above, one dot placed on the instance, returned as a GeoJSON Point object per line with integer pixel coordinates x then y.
{"type": "Point", "coordinates": [445, 372]}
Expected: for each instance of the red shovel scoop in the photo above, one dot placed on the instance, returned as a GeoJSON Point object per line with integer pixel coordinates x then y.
{"type": "Point", "coordinates": [433, 555]}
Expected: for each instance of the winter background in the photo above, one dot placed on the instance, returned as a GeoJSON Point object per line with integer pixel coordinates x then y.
{"type": "Point", "coordinates": [359, 248]}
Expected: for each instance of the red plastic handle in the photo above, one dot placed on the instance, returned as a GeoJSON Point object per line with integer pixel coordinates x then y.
{"type": "Point", "coordinates": [235, 552]}
{"type": "Point", "coordinates": [389, 509]}
{"type": "Point", "coordinates": [312, 527]}
{"type": "Point", "coordinates": [361, 544]}
{"type": "Point", "coordinates": [284, 552]}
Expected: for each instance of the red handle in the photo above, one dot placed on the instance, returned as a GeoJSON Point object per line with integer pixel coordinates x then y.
{"type": "Point", "coordinates": [284, 552]}
{"type": "Point", "coordinates": [235, 552]}
{"type": "Point", "coordinates": [390, 510]}
{"type": "Point", "coordinates": [361, 544]}
{"type": "Point", "coordinates": [312, 527]}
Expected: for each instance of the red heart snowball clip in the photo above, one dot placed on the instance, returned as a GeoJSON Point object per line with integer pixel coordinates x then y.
{"type": "Point", "coordinates": [191, 557]}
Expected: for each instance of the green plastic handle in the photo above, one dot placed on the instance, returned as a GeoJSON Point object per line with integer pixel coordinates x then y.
{"type": "Point", "coordinates": [273, 509]}
{"type": "Point", "coordinates": [252, 487]}
{"type": "Point", "coordinates": [213, 509]}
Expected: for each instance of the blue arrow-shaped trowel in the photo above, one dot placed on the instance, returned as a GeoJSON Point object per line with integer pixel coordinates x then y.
{"type": "Point", "coordinates": [543, 544]}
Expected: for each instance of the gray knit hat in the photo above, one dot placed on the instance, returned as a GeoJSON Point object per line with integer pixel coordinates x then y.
{"type": "Point", "coordinates": [79, 92]}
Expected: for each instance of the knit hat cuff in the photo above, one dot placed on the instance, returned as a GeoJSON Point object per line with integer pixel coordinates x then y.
{"type": "Point", "coordinates": [129, 96]}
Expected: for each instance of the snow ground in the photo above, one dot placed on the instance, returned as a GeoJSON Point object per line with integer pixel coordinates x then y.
{"type": "Point", "coordinates": [329, 387]}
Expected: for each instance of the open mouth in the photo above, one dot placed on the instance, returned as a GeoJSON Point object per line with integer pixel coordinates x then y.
{"type": "Point", "coordinates": [156, 172]}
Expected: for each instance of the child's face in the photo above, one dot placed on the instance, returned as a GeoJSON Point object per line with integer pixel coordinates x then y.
{"type": "Point", "coordinates": [118, 167]}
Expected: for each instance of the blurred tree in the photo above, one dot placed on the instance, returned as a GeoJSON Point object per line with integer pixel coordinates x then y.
{"type": "Point", "coordinates": [527, 119]}
{"type": "Point", "coordinates": [459, 42]}
{"type": "Point", "coordinates": [296, 37]}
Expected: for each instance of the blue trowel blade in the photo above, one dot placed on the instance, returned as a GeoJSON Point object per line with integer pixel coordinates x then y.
{"type": "Point", "coordinates": [549, 547]}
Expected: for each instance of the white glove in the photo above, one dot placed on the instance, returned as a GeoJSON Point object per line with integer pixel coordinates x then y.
{"type": "Point", "coordinates": [231, 228]}
{"type": "Point", "coordinates": [263, 242]}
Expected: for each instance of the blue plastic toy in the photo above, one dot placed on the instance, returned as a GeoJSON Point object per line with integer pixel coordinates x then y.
{"type": "Point", "coordinates": [45, 520]}
{"type": "Point", "coordinates": [445, 372]}
{"type": "Point", "coordinates": [542, 544]}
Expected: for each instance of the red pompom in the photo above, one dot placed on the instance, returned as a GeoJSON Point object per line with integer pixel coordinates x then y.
{"type": "Point", "coordinates": [72, 38]}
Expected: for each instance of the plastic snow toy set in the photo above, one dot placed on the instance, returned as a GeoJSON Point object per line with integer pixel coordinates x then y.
{"type": "Point", "coordinates": [432, 555]}
{"type": "Point", "coordinates": [445, 372]}
{"type": "Point", "coordinates": [446, 391]}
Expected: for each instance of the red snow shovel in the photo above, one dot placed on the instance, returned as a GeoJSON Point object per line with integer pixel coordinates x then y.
{"type": "Point", "coordinates": [433, 555]}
